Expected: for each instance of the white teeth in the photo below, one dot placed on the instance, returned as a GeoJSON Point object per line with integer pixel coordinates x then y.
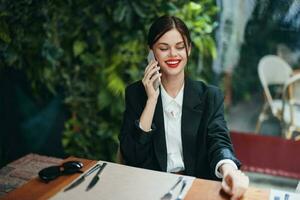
{"type": "Point", "coordinates": [172, 62]}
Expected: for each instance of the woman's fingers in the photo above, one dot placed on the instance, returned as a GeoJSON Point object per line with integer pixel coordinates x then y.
{"type": "Point", "coordinates": [149, 83]}
{"type": "Point", "coordinates": [227, 184]}
{"type": "Point", "coordinates": [151, 65]}
{"type": "Point", "coordinates": [235, 183]}
{"type": "Point", "coordinates": [154, 78]}
{"type": "Point", "coordinates": [237, 194]}
{"type": "Point", "coordinates": [149, 75]}
{"type": "Point", "coordinates": [150, 70]}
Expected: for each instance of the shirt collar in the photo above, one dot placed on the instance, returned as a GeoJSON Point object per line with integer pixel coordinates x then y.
{"type": "Point", "coordinates": [167, 99]}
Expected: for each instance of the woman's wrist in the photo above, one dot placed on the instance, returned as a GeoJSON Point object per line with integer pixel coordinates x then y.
{"type": "Point", "coordinates": [225, 168]}
{"type": "Point", "coordinates": [152, 101]}
{"type": "Point", "coordinates": [147, 115]}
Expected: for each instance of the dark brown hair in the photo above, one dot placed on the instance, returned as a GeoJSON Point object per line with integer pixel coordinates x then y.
{"type": "Point", "coordinates": [165, 23]}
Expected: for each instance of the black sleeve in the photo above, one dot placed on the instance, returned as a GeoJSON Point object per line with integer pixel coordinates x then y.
{"type": "Point", "coordinates": [135, 144]}
{"type": "Point", "coordinates": [219, 143]}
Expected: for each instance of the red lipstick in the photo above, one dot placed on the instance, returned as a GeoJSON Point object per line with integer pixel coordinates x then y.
{"type": "Point", "coordinates": [173, 63]}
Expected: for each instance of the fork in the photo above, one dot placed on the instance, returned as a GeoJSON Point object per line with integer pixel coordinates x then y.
{"type": "Point", "coordinates": [169, 194]}
{"type": "Point", "coordinates": [180, 196]}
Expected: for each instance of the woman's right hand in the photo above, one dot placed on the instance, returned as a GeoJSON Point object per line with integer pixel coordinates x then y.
{"type": "Point", "coordinates": [149, 77]}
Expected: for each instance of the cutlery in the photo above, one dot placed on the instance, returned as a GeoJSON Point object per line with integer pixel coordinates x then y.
{"type": "Point", "coordinates": [82, 178]}
{"type": "Point", "coordinates": [169, 194]}
{"type": "Point", "coordinates": [95, 178]}
{"type": "Point", "coordinates": [180, 196]}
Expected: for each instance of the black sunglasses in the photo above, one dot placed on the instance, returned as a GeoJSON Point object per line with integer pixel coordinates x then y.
{"type": "Point", "coordinates": [50, 173]}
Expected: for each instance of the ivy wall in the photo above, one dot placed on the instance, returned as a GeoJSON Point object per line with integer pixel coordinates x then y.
{"type": "Point", "coordinates": [65, 64]}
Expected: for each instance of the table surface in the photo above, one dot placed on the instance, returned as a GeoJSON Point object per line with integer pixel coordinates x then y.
{"type": "Point", "coordinates": [201, 189]}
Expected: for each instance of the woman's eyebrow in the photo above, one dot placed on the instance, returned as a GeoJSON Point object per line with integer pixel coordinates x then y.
{"type": "Point", "coordinates": [168, 44]}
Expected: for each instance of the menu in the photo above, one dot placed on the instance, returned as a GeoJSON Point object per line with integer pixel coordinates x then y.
{"type": "Point", "coordinates": [283, 195]}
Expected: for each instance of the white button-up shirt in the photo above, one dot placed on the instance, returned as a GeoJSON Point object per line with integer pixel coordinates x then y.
{"type": "Point", "coordinates": [172, 108]}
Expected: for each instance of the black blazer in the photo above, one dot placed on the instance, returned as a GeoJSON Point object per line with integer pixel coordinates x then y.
{"type": "Point", "coordinates": [205, 136]}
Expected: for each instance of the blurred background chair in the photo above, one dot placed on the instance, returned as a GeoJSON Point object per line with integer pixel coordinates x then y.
{"type": "Point", "coordinates": [291, 107]}
{"type": "Point", "coordinates": [298, 188]}
{"type": "Point", "coordinates": [273, 72]}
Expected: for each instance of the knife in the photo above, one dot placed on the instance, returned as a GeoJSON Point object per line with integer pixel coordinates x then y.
{"type": "Point", "coordinates": [180, 196]}
{"type": "Point", "coordinates": [82, 178]}
{"type": "Point", "coordinates": [95, 178]}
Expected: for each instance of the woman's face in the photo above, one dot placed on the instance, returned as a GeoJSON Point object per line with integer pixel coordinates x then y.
{"type": "Point", "coordinates": [170, 53]}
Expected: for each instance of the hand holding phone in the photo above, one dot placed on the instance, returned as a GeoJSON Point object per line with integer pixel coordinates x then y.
{"type": "Point", "coordinates": [150, 57]}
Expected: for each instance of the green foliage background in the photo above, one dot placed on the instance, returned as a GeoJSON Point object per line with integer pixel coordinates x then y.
{"type": "Point", "coordinates": [89, 51]}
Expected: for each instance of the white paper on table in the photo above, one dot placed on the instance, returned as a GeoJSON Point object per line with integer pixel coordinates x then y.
{"type": "Point", "coordinates": [283, 195]}
{"type": "Point", "coordinates": [124, 182]}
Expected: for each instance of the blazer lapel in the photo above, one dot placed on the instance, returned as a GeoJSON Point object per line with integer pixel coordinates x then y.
{"type": "Point", "coordinates": [190, 120]}
{"type": "Point", "coordinates": [159, 137]}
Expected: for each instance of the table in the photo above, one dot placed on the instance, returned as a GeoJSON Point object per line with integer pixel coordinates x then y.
{"type": "Point", "coordinates": [200, 190]}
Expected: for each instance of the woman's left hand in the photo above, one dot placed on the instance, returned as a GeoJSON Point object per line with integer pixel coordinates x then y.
{"type": "Point", "coordinates": [235, 182]}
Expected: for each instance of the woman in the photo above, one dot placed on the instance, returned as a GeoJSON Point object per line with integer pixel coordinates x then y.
{"type": "Point", "coordinates": [179, 127]}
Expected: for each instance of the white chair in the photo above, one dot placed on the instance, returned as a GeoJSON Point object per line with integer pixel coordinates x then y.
{"type": "Point", "coordinates": [272, 70]}
{"type": "Point", "coordinates": [298, 188]}
{"type": "Point", "coordinates": [291, 107]}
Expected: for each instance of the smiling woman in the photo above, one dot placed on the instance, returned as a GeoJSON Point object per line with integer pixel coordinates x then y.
{"type": "Point", "coordinates": [180, 127]}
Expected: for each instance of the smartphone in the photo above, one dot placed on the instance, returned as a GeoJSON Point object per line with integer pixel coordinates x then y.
{"type": "Point", "coordinates": [150, 57]}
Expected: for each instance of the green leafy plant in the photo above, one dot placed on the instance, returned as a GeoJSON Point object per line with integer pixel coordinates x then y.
{"type": "Point", "coordinates": [89, 51]}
